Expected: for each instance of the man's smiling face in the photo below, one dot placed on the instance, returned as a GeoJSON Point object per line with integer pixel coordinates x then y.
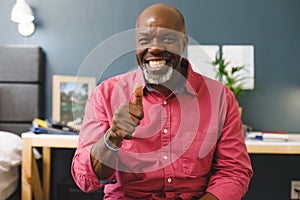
{"type": "Point", "coordinates": [160, 42]}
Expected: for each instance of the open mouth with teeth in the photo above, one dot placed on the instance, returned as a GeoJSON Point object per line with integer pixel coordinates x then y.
{"type": "Point", "coordinates": [156, 65]}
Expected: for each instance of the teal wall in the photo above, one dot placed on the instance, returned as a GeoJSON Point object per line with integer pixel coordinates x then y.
{"type": "Point", "coordinates": [68, 30]}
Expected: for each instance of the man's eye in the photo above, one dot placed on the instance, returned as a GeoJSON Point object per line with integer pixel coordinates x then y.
{"type": "Point", "coordinates": [144, 40]}
{"type": "Point", "coordinates": [169, 40]}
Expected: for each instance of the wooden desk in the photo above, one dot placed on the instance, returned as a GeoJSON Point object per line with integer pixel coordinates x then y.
{"type": "Point", "coordinates": [30, 177]}
{"type": "Point", "coordinates": [292, 146]}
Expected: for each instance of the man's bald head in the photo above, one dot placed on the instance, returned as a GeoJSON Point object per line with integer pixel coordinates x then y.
{"type": "Point", "coordinates": [161, 15]}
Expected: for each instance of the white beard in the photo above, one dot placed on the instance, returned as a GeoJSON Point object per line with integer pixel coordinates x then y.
{"type": "Point", "coordinates": [159, 79]}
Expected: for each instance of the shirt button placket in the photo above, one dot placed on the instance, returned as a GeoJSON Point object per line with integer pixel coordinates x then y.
{"type": "Point", "coordinates": [166, 137]}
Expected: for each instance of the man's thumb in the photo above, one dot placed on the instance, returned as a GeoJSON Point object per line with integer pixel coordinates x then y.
{"type": "Point", "coordinates": [138, 95]}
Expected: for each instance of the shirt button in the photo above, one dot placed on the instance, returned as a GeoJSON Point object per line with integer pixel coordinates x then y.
{"type": "Point", "coordinates": [165, 130]}
{"type": "Point", "coordinates": [165, 102]}
{"type": "Point", "coordinates": [165, 157]}
{"type": "Point", "coordinates": [169, 180]}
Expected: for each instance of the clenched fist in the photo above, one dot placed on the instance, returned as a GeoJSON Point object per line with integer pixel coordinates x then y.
{"type": "Point", "coordinates": [128, 116]}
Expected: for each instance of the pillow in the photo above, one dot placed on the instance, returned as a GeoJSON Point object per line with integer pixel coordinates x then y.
{"type": "Point", "coordinates": [11, 151]}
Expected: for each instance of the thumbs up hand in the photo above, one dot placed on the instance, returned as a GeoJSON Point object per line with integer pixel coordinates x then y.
{"type": "Point", "coordinates": [128, 116]}
{"type": "Point", "coordinates": [138, 95]}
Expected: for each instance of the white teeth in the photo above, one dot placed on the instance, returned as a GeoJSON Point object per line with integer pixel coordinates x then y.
{"type": "Point", "coordinates": [157, 63]}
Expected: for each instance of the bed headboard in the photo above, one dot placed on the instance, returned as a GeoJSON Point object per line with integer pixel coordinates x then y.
{"type": "Point", "coordinates": [21, 86]}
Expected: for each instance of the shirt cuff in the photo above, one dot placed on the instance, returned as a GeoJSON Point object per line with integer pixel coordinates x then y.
{"type": "Point", "coordinates": [226, 191]}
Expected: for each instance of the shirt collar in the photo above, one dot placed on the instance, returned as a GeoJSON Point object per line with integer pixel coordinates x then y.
{"type": "Point", "coordinates": [140, 77]}
{"type": "Point", "coordinates": [194, 81]}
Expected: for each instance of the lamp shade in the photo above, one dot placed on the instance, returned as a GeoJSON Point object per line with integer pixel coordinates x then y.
{"type": "Point", "coordinates": [21, 12]}
{"type": "Point", "coordinates": [26, 29]}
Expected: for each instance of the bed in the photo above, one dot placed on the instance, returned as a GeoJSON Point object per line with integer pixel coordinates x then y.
{"type": "Point", "coordinates": [21, 88]}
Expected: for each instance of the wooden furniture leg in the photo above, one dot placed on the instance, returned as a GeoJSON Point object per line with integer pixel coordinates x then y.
{"type": "Point", "coordinates": [36, 181]}
{"type": "Point", "coordinates": [26, 170]}
{"type": "Point", "coordinates": [46, 171]}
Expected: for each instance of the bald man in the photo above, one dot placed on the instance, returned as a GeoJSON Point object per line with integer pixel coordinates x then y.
{"type": "Point", "coordinates": [162, 131]}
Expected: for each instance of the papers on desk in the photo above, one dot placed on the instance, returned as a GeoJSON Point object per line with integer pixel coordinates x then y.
{"type": "Point", "coordinates": [39, 130]}
{"type": "Point", "coordinates": [268, 136]}
{"type": "Point", "coordinates": [40, 126]}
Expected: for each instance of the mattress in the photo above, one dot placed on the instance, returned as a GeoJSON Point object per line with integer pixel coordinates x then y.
{"type": "Point", "coordinates": [9, 182]}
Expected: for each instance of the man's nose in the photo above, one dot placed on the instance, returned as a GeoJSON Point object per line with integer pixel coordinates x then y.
{"type": "Point", "coordinates": [156, 46]}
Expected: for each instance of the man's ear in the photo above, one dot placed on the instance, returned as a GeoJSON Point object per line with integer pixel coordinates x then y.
{"type": "Point", "coordinates": [185, 42]}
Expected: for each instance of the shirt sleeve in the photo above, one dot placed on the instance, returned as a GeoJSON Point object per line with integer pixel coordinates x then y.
{"type": "Point", "coordinates": [231, 169]}
{"type": "Point", "coordinates": [94, 125]}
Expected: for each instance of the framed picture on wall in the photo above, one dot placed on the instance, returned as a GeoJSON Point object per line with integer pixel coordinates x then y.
{"type": "Point", "coordinates": [70, 94]}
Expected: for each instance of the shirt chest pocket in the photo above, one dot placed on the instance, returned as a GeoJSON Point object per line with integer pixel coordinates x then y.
{"type": "Point", "coordinates": [197, 154]}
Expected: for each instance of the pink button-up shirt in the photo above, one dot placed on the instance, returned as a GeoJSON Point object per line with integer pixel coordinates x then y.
{"type": "Point", "coordinates": [188, 143]}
